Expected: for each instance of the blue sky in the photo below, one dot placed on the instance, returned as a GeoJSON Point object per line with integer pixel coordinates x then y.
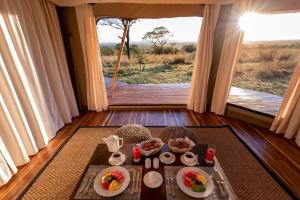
{"type": "Point", "coordinates": [186, 29]}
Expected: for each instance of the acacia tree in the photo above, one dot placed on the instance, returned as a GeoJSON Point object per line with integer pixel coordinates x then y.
{"type": "Point", "coordinates": [120, 25]}
{"type": "Point", "coordinates": [158, 37]}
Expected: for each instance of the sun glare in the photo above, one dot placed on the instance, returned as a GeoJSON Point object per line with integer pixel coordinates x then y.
{"type": "Point", "coordinates": [248, 21]}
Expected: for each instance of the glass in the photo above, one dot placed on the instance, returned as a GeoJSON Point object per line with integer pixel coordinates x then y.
{"type": "Point", "coordinates": [136, 153]}
{"type": "Point", "coordinates": [210, 153]}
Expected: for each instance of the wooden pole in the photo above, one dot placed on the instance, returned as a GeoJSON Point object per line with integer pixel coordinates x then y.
{"type": "Point", "coordinates": [113, 82]}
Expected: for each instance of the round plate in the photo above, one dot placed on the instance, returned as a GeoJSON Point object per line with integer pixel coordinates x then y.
{"type": "Point", "coordinates": [157, 179]}
{"type": "Point", "coordinates": [187, 164]}
{"type": "Point", "coordinates": [164, 160]}
{"type": "Point", "coordinates": [106, 193]}
{"type": "Point", "coordinates": [187, 190]}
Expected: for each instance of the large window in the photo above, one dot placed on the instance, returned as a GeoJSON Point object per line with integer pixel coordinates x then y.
{"type": "Point", "coordinates": [157, 58]}
{"type": "Point", "coordinates": [268, 57]}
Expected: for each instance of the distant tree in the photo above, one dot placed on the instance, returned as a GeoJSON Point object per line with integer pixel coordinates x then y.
{"type": "Point", "coordinates": [190, 48]}
{"type": "Point", "coordinates": [120, 25]}
{"type": "Point", "coordinates": [158, 37]}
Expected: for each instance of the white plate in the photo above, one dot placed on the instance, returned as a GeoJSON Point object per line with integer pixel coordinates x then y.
{"type": "Point", "coordinates": [153, 179]}
{"type": "Point", "coordinates": [106, 193]}
{"type": "Point", "coordinates": [165, 160]}
{"type": "Point", "coordinates": [186, 163]}
{"type": "Point", "coordinates": [188, 190]}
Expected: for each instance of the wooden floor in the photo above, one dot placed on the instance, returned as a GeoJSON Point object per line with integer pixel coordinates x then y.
{"type": "Point", "coordinates": [177, 94]}
{"type": "Point", "coordinates": [281, 156]}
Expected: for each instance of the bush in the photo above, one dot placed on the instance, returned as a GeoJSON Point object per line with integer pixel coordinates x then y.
{"type": "Point", "coordinates": [267, 56]}
{"type": "Point", "coordinates": [170, 50]}
{"type": "Point", "coordinates": [285, 57]}
{"type": "Point", "coordinates": [157, 49]}
{"type": "Point", "coordinates": [190, 48]}
{"type": "Point", "coordinates": [107, 51]}
{"type": "Point", "coordinates": [179, 60]}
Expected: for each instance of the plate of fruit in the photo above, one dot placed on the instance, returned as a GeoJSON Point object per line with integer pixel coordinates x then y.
{"type": "Point", "coordinates": [194, 182]}
{"type": "Point", "coordinates": [111, 181]}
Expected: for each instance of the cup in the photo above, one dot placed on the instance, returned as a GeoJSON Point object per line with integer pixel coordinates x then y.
{"type": "Point", "coordinates": [167, 155]}
{"type": "Point", "coordinates": [190, 157]}
{"type": "Point", "coordinates": [117, 157]}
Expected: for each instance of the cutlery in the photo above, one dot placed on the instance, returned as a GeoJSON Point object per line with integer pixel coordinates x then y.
{"type": "Point", "coordinates": [84, 184]}
{"type": "Point", "coordinates": [221, 189]}
{"type": "Point", "coordinates": [88, 183]}
{"type": "Point", "coordinates": [173, 187]}
{"type": "Point", "coordinates": [133, 181]}
{"type": "Point", "coordinates": [168, 183]}
{"type": "Point", "coordinates": [137, 181]}
{"type": "Point", "coordinates": [222, 182]}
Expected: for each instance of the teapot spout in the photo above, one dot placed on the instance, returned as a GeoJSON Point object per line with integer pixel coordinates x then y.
{"type": "Point", "coordinates": [104, 139]}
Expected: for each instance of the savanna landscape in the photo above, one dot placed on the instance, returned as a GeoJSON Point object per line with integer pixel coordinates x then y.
{"type": "Point", "coordinates": [264, 66]}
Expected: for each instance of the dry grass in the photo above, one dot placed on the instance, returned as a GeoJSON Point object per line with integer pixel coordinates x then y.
{"type": "Point", "coordinates": [262, 66]}
{"type": "Point", "coordinates": [267, 66]}
{"type": "Point", "coordinates": [158, 69]}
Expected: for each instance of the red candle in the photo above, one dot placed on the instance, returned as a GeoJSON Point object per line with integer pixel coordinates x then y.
{"type": "Point", "coordinates": [210, 154]}
{"type": "Point", "coordinates": [136, 153]}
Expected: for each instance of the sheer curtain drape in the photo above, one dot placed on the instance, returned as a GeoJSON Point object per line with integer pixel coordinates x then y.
{"type": "Point", "coordinates": [229, 56]}
{"type": "Point", "coordinates": [36, 95]}
{"type": "Point", "coordinates": [96, 90]}
{"type": "Point", "coordinates": [287, 120]}
{"type": "Point", "coordinates": [202, 64]}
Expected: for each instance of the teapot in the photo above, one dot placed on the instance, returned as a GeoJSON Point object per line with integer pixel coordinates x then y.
{"type": "Point", "coordinates": [113, 143]}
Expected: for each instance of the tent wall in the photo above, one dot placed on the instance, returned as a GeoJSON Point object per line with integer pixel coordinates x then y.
{"type": "Point", "coordinates": [154, 11]}
{"type": "Point", "coordinates": [70, 32]}
{"type": "Point", "coordinates": [274, 6]}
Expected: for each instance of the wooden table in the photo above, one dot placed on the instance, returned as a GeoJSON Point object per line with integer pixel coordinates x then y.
{"type": "Point", "coordinates": [101, 156]}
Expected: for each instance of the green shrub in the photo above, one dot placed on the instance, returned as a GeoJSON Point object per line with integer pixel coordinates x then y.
{"type": "Point", "coordinates": [179, 60]}
{"type": "Point", "coordinates": [190, 48]}
{"type": "Point", "coordinates": [170, 50]}
{"type": "Point", "coordinates": [107, 51]}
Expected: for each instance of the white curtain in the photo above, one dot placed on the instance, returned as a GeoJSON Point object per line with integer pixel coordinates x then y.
{"type": "Point", "coordinates": [198, 91]}
{"type": "Point", "coordinates": [229, 56]}
{"type": "Point", "coordinates": [96, 91]}
{"type": "Point", "coordinates": [81, 2]}
{"type": "Point", "coordinates": [287, 120]}
{"type": "Point", "coordinates": [36, 95]}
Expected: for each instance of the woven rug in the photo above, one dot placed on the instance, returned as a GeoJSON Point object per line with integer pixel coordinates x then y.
{"type": "Point", "coordinates": [246, 175]}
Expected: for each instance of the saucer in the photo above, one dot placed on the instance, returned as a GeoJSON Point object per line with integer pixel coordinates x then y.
{"type": "Point", "coordinates": [113, 161]}
{"type": "Point", "coordinates": [165, 160]}
{"type": "Point", "coordinates": [156, 181]}
{"type": "Point", "coordinates": [187, 164]}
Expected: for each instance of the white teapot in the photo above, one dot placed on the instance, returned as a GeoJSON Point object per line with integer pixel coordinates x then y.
{"type": "Point", "coordinates": [113, 143]}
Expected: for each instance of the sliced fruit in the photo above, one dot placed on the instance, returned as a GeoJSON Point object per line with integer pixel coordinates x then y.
{"type": "Point", "coordinates": [198, 188]}
{"type": "Point", "coordinates": [201, 179]}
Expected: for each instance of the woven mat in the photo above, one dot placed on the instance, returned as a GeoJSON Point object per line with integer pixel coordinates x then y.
{"type": "Point", "coordinates": [247, 176]}
{"type": "Point", "coordinates": [93, 170]}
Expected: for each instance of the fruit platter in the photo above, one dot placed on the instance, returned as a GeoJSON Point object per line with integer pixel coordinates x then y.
{"type": "Point", "coordinates": [194, 182]}
{"type": "Point", "coordinates": [180, 145]}
{"type": "Point", "coordinates": [151, 147]}
{"type": "Point", "coordinates": [111, 181]}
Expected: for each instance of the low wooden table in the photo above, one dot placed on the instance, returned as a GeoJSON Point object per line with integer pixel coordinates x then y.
{"type": "Point", "coordinates": [101, 156]}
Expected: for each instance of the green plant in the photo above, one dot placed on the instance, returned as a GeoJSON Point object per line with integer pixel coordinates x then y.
{"type": "Point", "coordinates": [190, 48]}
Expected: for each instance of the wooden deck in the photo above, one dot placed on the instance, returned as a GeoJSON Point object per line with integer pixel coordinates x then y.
{"type": "Point", "coordinates": [177, 94]}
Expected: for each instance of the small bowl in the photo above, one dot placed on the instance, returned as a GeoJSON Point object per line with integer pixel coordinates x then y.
{"type": "Point", "coordinates": [182, 150]}
{"type": "Point", "coordinates": [153, 151]}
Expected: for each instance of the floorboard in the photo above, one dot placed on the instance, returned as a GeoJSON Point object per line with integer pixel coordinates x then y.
{"type": "Point", "coordinates": [280, 156]}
